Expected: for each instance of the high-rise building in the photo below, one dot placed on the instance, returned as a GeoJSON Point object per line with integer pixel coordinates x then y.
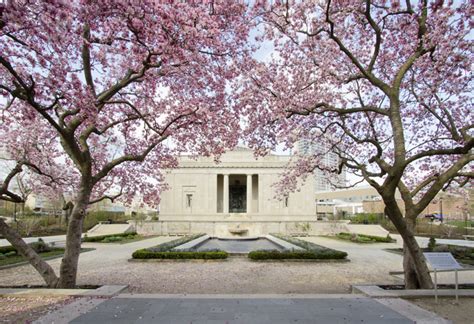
{"type": "Point", "coordinates": [324, 181]}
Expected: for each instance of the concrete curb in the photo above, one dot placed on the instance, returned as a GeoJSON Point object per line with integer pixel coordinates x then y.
{"type": "Point", "coordinates": [411, 311]}
{"type": "Point", "coordinates": [377, 292]}
{"type": "Point", "coordinates": [106, 291]}
{"type": "Point", "coordinates": [243, 296]}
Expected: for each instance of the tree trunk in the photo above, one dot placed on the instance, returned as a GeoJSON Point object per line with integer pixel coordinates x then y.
{"type": "Point", "coordinates": [69, 264]}
{"type": "Point", "coordinates": [417, 274]}
{"type": "Point", "coordinates": [25, 250]}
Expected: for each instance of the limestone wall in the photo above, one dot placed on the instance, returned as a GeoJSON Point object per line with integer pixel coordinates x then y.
{"type": "Point", "coordinates": [249, 228]}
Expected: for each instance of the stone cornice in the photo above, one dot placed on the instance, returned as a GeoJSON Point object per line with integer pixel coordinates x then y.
{"type": "Point", "coordinates": [242, 165]}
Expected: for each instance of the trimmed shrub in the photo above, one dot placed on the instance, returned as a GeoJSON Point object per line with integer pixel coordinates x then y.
{"type": "Point", "coordinates": [114, 239]}
{"type": "Point", "coordinates": [11, 253]}
{"type": "Point", "coordinates": [431, 244]}
{"type": "Point", "coordinates": [39, 247]}
{"type": "Point", "coordinates": [362, 238]}
{"type": "Point", "coordinates": [296, 254]}
{"type": "Point", "coordinates": [366, 218]}
{"type": "Point", "coordinates": [6, 249]}
{"type": "Point", "coordinates": [102, 237]}
{"type": "Point", "coordinates": [208, 255]}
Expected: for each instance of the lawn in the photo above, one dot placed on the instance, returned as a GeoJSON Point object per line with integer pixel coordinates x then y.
{"type": "Point", "coordinates": [460, 223]}
{"type": "Point", "coordinates": [121, 238]}
{"type": "Point", "coordinates": [19, 259]}
{"type": "Point", "coordinates": [362, 238]}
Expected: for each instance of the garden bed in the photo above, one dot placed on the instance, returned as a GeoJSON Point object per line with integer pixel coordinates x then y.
{"type": "Point", "coordinates": [363, 239]}
{"type": "Point", "coordinates": [114, 238]}
{"type": "Point", "coordinates": [311, 252]}
{"type": "Point", "coordinates": [9, 257]}
{"type": "Point", "coordinates": [462, 254]}
{"type": "Point", "coordinates": [440, 286]}
{"type": "Point", "coordinates": [165, 251]}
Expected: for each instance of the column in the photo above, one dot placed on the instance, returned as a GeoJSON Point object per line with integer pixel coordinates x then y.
{"type": "Point", "coordinates": [226, 194]}
{"type": "Point", "coordinates": [249, 193]}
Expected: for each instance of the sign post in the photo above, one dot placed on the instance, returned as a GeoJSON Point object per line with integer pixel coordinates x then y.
{"type": "Point", "coordinates": [443, 261]}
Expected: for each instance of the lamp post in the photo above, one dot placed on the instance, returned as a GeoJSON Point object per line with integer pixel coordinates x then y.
{"type": "Point", "coordinates": [441, 208]}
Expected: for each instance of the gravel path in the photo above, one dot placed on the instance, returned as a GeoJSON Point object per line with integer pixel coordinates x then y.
{"type": "Point", "coordinates": [27, 309]}
{"type": "Point", "coordinates": [108, 265]}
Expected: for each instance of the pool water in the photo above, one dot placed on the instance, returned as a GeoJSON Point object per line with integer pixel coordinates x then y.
{"type": "Point", "coordinates": [238, 246]}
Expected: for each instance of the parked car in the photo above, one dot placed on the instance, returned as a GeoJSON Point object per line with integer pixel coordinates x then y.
{"type": "Point", "coordinates": [433, 217]}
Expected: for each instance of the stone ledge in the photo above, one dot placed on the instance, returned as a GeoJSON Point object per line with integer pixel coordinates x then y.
{"type": "Point", "coordinates": [191, 244]}
{"type": "Point", "coordinates": [103, 291]}
{"type": "Point", "coordinates": [178, 260]}
{"type": "Point", "coordinates": [284, 244]}
{"type": "Point", "coordinates": [377, 292]}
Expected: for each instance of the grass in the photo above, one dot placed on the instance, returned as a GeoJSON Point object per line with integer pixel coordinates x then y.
{"type": "Point", "coordinates": [121, 238]}
{"type": "Point", "coordinates": [460, 223]}
{"type": "Point", "coordinates": [19, 259]}
{"type": "Point", "coordinates": [362, 238]}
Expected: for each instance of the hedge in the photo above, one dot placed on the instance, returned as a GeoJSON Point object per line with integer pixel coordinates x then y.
{"type": "Point", "coordinates": [297, 254]}
{"type": "Point", "coordinates": [362, 238]}
{"type": "Point", "coordinates": [40, 246]}
{"type": "Point", "coordinates": [164, 251]}
{"type": "Point", "coordinates": [101, 237]}
{"type": "Point", "coordinates": [208, 255]}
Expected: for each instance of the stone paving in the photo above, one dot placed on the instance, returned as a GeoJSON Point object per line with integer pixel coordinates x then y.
{"type": "Point", "coordinates": [241, 310]}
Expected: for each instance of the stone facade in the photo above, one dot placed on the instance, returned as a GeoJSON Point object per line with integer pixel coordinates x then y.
{"type": "Point", "coordinates": [233, 197]}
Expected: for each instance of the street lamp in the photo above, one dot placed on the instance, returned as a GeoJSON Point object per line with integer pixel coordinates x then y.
{"type": "Point", "coordinates": [441, 209]}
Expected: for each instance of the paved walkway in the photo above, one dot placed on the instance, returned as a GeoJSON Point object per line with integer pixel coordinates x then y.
{"type": "Point", "coordinates": [108, 265]}
{"type": "Point", "coordinates": [47, 239]}
{"type": "Point", "coordinates": [262, 309]}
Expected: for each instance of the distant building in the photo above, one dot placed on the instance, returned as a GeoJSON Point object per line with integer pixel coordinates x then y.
{"type": "Point", "coordinates": [329, 159]}
{"type": "Point", "coordinates": [345, 201]}
{"type": "Point", "coordinates": [367, 200]}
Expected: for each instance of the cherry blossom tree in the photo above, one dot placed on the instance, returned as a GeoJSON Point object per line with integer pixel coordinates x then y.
{"type": "Point", "coordinates": [118, 88]}
{"type": "Point", "coordinates": [387, 83]}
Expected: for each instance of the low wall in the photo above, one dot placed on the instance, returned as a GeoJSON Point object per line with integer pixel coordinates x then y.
{"type": "Point", "coordinates": [247, 228]}
{"type": "Point", "coordinates": [376, 230]}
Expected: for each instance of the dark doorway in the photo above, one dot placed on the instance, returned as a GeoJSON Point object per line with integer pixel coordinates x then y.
{"type": "Point", "coordinates": [237, 195]}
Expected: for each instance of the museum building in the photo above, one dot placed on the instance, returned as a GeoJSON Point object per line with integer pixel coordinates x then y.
{"type": "Point", "coordinates": [235, 197]}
